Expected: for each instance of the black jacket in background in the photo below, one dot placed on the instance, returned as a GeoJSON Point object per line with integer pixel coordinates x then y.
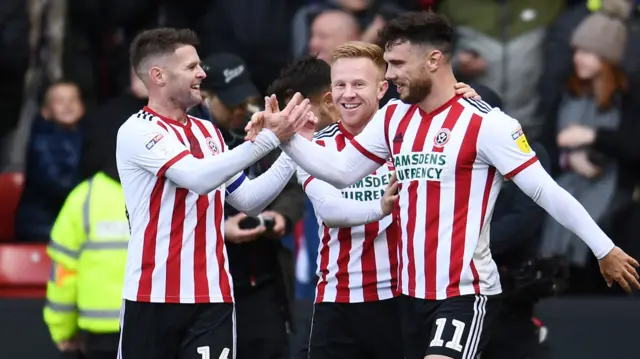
{"type": "Point", "coordinates": [516, 222]}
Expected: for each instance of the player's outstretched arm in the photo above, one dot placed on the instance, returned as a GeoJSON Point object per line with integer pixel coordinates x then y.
{"type": "Point", "coordinates": [338, 212]}
{"type": "Point", "coordinates": [204, 175]}
{"type": "Point", "coordinates": [360, 156]}
{"type": "Point", "coordinates": [502, 144]}
{"type": "Point", "coordinates": [253, 196]}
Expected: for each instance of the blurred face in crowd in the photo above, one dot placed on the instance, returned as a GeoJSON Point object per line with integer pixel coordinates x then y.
{"type": "Point", "coordinates": [330, 30]}
{"type": "Point", "coordinates": [407, 68]}
{"type": "Point", "coordinates": [230, 117]}
{"type": "Point", "coordinates": [357, 86]}
{"type": "Point", "coordinates": [181, 77]}
{"type": "Point", "coordinates": [63, 105]}
{"type": "Point", "coordinates": [587, 64]}
{"type": "Point", "coordinates": [354, 5]}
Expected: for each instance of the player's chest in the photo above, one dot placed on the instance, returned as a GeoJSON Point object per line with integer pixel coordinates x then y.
{"type": "Point", "coordinates": [371, 187]}
{"type": "Point", "coordinates": [433, 150]}
{"type": "Point", "coordinates": [201, 141]}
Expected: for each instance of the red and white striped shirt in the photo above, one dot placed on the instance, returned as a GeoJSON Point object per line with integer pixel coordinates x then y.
{"type": "Point", "coordinates": [176, 252]}
{"type": "Point", "coordinates": [360, 263]}
{"type": "Point", "coordinates": [449, 164]}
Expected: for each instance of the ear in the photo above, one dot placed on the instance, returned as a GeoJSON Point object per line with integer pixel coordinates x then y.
{"type": "Point", "coordinates": [383, 86]}
{"type": "Point", "coordinates": [433, 60]}
{"type": "Point", "coordinates": [328, 99]}
{"type": "Point", "coordinates": [157, 75]}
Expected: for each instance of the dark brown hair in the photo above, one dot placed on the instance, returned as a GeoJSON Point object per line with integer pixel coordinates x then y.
{"type": "Point", "coordinates": [159, 41]}
{"type": "Point", "coordinates": [419, 28]}
{"type": "Point", "coordinates": [610, 80]}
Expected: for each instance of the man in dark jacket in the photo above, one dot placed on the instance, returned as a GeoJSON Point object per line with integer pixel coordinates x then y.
{"type": "Point", "coordinates": [257, 259]}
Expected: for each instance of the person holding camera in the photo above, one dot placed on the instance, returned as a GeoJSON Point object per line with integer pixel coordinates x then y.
{"type": "Point", "coordinates": [515, 236]}
{"type": "Point", "coordinates": [260, 266]}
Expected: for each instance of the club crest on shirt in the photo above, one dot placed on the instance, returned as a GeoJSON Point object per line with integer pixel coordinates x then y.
{"type": "Point", "coordinates": [442, 137]}
{"type": "Point", "coordinates": [521, 140]}
{"type": "Point", "coordinates": [152, 142]}
{"type": "Point", "coordinates": [212, 145]}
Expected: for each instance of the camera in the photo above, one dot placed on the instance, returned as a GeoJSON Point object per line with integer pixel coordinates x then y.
{"type": "Point", "coordinates": [254, 222]}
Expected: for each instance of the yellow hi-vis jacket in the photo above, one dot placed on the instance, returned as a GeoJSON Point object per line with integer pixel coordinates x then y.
{"type": "Point", "coordinates": [88, 250]}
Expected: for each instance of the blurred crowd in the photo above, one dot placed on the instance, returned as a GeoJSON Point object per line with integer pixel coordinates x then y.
{"type": "Point", "coordinates": [569, 71]}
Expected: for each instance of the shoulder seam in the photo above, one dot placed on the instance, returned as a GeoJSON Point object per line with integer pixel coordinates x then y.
{"type": "Point", "coordinates": [480, 105]}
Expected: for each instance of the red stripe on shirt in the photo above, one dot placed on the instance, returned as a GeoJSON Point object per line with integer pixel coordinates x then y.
{"type": "Point", "coordinates": [172, 289]}
{"type": "Point", "coordinates": [201, 280]}
{"type": "Point", "coordinates": [148, 263]}
{"type": "Point", "coordinates": [411, 222]}
{"type": "Point", "coordinates": [324, 264]}
{"type": "Point", "coordinates": [368, 262]}
{"type": "Point", "coordinates": [464, 170]}
{"type": "Point", "coordinates": [521, 168]}
{"type": "Point", "coordinates": [225, 284]}
{"type": "Point", "coordinates": [432, 224]}
{"type": "Point", "coordinates": [170, 163]}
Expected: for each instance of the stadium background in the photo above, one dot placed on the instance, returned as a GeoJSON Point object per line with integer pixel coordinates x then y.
{"type": "Point", "coordinates": [85, 42]}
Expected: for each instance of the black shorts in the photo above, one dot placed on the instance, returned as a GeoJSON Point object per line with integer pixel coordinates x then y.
{"type": "Point", "coordinates": [370, 330]}
{"type": "Point", "coordinates": [177, 331]}
{"type": "Point", "coordinates": [456, 327]}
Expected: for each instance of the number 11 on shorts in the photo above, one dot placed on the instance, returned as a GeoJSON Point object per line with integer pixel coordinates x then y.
{"type": "Point", "coordinates": [457, 334]}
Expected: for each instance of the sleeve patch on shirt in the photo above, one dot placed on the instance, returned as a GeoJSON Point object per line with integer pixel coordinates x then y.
{"type": "Point", "coordinates": [521, 140]}
{"type": "Point", "coordinates": [152, 142]}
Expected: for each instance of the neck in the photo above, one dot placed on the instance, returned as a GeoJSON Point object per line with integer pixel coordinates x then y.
{"type": "Point", "coordinates": [354, 129]}
{"type": "Point", "coordinates": [168, 109]}
{"type": "Point", "coordinates": [442, 90]}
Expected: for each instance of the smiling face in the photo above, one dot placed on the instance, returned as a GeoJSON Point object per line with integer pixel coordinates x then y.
{"type": "Point", "coordinates": [407, 69]}
{"type": "Point", "coordinates": [183, 76]}
{"type": "Point", "coordinates": [356, 88]}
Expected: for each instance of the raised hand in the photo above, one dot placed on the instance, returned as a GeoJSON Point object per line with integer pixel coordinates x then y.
{"type": "Point", "coordinates": [388, 201]}
{"type": "Point", "coordinates": [466, 91]}
{"type": "Point", "coordinates": [287, 122]}
{"type": "Point", "coordinates": [309, 127]}
{"type": "Point", "coordinates": [256, 124]}
{"type": "Point", "coordinates": [619, 267]}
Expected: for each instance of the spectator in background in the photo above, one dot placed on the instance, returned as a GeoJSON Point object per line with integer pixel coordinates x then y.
{"type": "Point", "coordinates": [370, 16]}
{"type": "Point", "coordinates": [227, 92]}
{"type": "Point", "coordinates": [261, 268]}
{"type": "Point", "coordinates": [558, 68]}
{"type": "Point", "coordinates": [14, 60]}
{"type": "Point", "coordinates": [102, 124]}
{"type": "Point", "coordinates": [330, 29]}
{"type": "Point", "coordinates": [500, 46]}
{"type": "Point", "coordinates": [592, 103]}
{"type": "Point", "coordinates": [88, 251]}
{"type": "Point", "coordinates": [52, 161]}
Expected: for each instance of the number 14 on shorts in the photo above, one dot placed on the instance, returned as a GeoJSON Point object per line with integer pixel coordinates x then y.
{"type": "Point", "coordinates": [454, 343]}
{"type": "Point", "coordinates": [206, 353]}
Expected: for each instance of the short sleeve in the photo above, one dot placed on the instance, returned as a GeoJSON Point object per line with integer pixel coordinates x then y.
{"type": "Point", "coordinates": [372, 142]}
{"type": "Point", "coordinates": [150, 147]}
{"type": "Point", "coordinates": [503, 144]}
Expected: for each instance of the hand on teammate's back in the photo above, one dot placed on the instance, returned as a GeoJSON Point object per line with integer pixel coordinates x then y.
{"type": "Point", "coordinates": [620, 267]}
{"type": "Point", "coordinates": [390, 198]}
{"type": "Point", "coordinates": [466, 91]}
